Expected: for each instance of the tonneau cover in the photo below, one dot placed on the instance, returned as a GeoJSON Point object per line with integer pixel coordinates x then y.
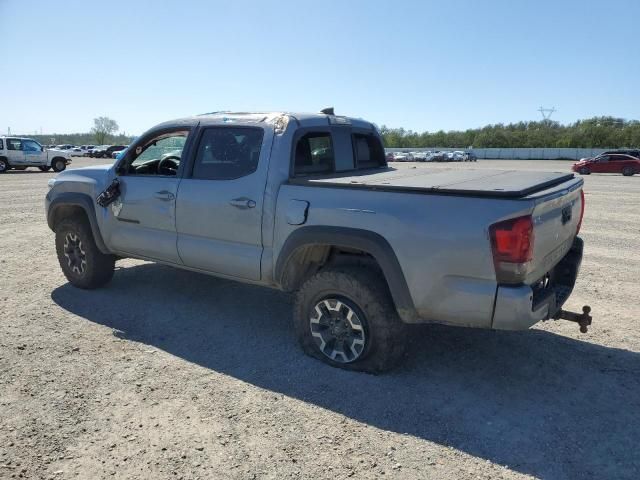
{"type": "Point", "coordinates": [485, 183]}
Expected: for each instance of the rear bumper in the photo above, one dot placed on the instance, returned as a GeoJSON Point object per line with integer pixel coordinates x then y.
{"type": "Point", "coordinates": [520, 307]}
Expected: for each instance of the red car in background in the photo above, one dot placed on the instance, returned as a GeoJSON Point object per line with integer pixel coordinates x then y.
{"type": "Point", "coordinates": [608, 163]}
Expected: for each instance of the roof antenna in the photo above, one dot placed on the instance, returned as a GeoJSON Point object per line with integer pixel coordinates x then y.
{"type": "Point", "coordinates": [327, 111]}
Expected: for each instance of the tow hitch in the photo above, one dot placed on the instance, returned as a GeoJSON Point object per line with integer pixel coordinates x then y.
{"type": "Point", "coordinates": [583, 319]}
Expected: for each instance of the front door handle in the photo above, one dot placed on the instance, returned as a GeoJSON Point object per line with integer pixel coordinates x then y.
{"type": "Point", "coordinates": [243, 203]}
{"type": "Point", "coordinates": [164, 195]}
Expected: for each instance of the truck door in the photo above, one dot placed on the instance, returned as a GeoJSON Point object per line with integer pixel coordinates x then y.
{"type": "Point", "coordinates": [15, 154]}
{"type": "Point", "coordinates": [219, 205]}
{"type": "Point", "coordinates": [34, 154]}
{"type": "Point", "coordinates": [142, 220]}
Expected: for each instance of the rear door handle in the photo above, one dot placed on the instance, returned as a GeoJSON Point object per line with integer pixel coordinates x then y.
{"type": "Point", "coordinates": [243, 203]}
{"type": "Point", "coordinates": [164, 195]}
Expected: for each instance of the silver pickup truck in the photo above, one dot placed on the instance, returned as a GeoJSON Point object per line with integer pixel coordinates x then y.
{"type": "Point", "coordinates": [306, 203]}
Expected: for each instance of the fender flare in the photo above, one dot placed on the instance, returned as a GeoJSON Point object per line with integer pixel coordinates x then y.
{"type": "Point", "coordinates": [369, 242]}
{"type": "Point", "coordinates": [77, 200]}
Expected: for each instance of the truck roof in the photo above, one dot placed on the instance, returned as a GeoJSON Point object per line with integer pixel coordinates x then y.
{"type": "Point", "coordinates": [257, 118]}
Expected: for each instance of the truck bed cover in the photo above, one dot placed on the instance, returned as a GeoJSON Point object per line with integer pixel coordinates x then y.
{"type": "Point", "coordinates": [473, 183]}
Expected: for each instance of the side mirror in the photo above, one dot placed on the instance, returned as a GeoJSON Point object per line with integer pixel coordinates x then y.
{"type": "Point", "coordinates": [41, 148]}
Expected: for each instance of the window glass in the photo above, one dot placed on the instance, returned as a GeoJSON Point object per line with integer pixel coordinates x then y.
{"type": "Point", "coordinates": [31, 146]}
{"type": "Point", "coordinates": [159, 156]}
{"type": "Point", "coordinates": [1, 145]}
{"type": "Point", "coordinates": [368, 151]}
{"type": "Point", "coordinates": [314, 154]}
{"type": "Point", "coordinates": [14, 144]}
{"type": "Point", "coordinates": [228, 153]}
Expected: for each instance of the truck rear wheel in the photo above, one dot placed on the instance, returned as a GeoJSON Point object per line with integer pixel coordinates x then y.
{"type": "Point", "coordinates": [345, 317]}
{"type": "Point", "coordinates": [84, 265]}
{"type": "Point", "coordinates": [58, 164]}
{"type": "Point", "coordinates": [4, 165]}
{"type": "Point", "coordinates": [45, 168]}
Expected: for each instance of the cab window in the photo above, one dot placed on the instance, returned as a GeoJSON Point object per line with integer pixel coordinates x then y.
{"type": "Point", "coordinates": [14, 144]}
{"type": "Point", "coordinates": [368, 151]}
{"type": "Point", "coordinates": [1, 144]}
{"type": "Point", "coordinates": [227, 153]}
{"type": "Point", "coordinates": [161, 155]}
{"type": "Point", "coordinates": [314, 154]}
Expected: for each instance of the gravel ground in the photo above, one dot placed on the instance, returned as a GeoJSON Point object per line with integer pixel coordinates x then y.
{"type": "Point", "coordinates": [171, 374]}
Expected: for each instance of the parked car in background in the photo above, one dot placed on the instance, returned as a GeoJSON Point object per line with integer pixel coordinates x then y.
{"type": "Point", "coordinates": [108, 153]}
{"type": "Point", "coordinates": [419, 156]}
{"type": "Point", "coordinates": [402, 157]}
{"type": "Point", "coordinates": [608, 163]}
{"type": "Point", "coordinates": [65, 147]}
{"type": "Point", "coordinates": [98, 152]}
{"type": "Point", "coordinates": [389, 157]}
{"type": "Point", "coordinates": [470, 157]}
{"type": "Point", "coordinates": [18, 153]}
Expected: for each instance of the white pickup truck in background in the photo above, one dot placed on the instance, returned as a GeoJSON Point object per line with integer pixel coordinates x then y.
{"type": "Point", "coordinates": [19, 153]}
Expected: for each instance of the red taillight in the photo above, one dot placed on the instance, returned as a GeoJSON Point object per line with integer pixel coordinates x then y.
{"type": "Point", "coordinates": [581, 211]}
{"type": "Point", "coordinates": [512, 240]}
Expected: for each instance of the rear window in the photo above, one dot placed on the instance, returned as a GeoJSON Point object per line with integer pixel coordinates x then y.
{"type": "Point", "coordinates": [368, 151]}
{"type": "Point", "coordinates": [314, 154]}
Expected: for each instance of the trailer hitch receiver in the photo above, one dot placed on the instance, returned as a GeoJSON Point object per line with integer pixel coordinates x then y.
{"type": "Point", "coordinates": [583, 319]}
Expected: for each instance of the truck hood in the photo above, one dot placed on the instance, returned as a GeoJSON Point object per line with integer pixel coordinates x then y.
{"type": "Point", "coordinates": [484, 183]}
{"type": "Point", "coordinates": [92, 179]}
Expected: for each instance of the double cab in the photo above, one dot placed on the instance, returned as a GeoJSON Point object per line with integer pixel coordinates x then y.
{"type": "Point", "coordinates": [306, 203]}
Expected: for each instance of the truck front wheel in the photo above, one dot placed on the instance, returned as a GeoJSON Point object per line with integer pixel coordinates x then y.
{"type": "Point", "coordinates": [345, 317]}
{"type": "Point", "coordinates": [84, 265]}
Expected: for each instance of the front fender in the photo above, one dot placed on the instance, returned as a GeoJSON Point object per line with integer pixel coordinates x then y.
{"type": "Point", "coordinates": [57, 203]}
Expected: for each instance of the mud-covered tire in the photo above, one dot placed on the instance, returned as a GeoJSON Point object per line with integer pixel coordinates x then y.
{"type": "Point", "coordinates": [366, 291]}
{"type": "Point", "coordinates": [97, 269]}
{"type": "Point", "coordinates": [628, 171]}
{"type": "Point", "coordinates": [58, 164]}
{"type": "Point", "coordinates": [45, 168]}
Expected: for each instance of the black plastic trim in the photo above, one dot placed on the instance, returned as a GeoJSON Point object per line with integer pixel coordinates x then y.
{"type": "Point", "coordinates": [366, 241]}
{"type": "Point", "coordinates": [86, 203]}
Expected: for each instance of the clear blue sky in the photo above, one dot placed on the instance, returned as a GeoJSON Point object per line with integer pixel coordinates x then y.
{"type": "Point", "coordinates": [422, 65]}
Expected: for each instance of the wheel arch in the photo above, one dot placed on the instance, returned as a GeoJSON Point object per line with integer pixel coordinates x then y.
{"type": "Point", "coordinates": [57, 157]}
{"type": "Point", "coordinates": [309, 248]}
{"type": "Point", "coordinates": [71, 204]}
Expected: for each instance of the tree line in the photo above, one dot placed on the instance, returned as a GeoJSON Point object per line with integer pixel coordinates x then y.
{"type": "Point", "coordinates": [597, 132]}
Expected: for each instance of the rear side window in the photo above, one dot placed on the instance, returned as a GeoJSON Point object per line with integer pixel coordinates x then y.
{"type": "Point", "coordinates": [14, 144]}
{"type": "Point", "coordinates": [368, 151]}
{"type": "Point", "coordinates": [1, 145]}
{"type": "Point", "coordinates": [227, 153]}
{"type": "Point", "coordinates": [314, 154]}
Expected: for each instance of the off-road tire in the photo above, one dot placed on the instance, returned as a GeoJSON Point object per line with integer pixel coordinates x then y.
{"type": "Point", "coordinates": [584, 171]}
{"type": "Point", "coordinates": [366, 289]}
{"type": "Point", "coordinates": [45, 168]}
{"type": "Point", "coordinates": [98, 268]}
{"type": "Point", "coordinates": [628, 171]}
{"type": "Point", "coordinates": [58, 164]}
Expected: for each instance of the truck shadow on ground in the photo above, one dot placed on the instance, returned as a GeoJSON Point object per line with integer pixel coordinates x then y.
{"type": "Point", "coordinates": [539, 403]}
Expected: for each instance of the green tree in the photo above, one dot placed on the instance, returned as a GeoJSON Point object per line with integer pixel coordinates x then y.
{"type": "Point", "coordinates": [102, 128]}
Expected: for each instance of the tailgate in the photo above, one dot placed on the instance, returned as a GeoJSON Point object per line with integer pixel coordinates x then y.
{"type": "Point", "coordinates": [555, 223]}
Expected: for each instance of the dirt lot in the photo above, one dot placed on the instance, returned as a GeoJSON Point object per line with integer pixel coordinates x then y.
{"type": "Point", "coordinates": [170, 374]}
